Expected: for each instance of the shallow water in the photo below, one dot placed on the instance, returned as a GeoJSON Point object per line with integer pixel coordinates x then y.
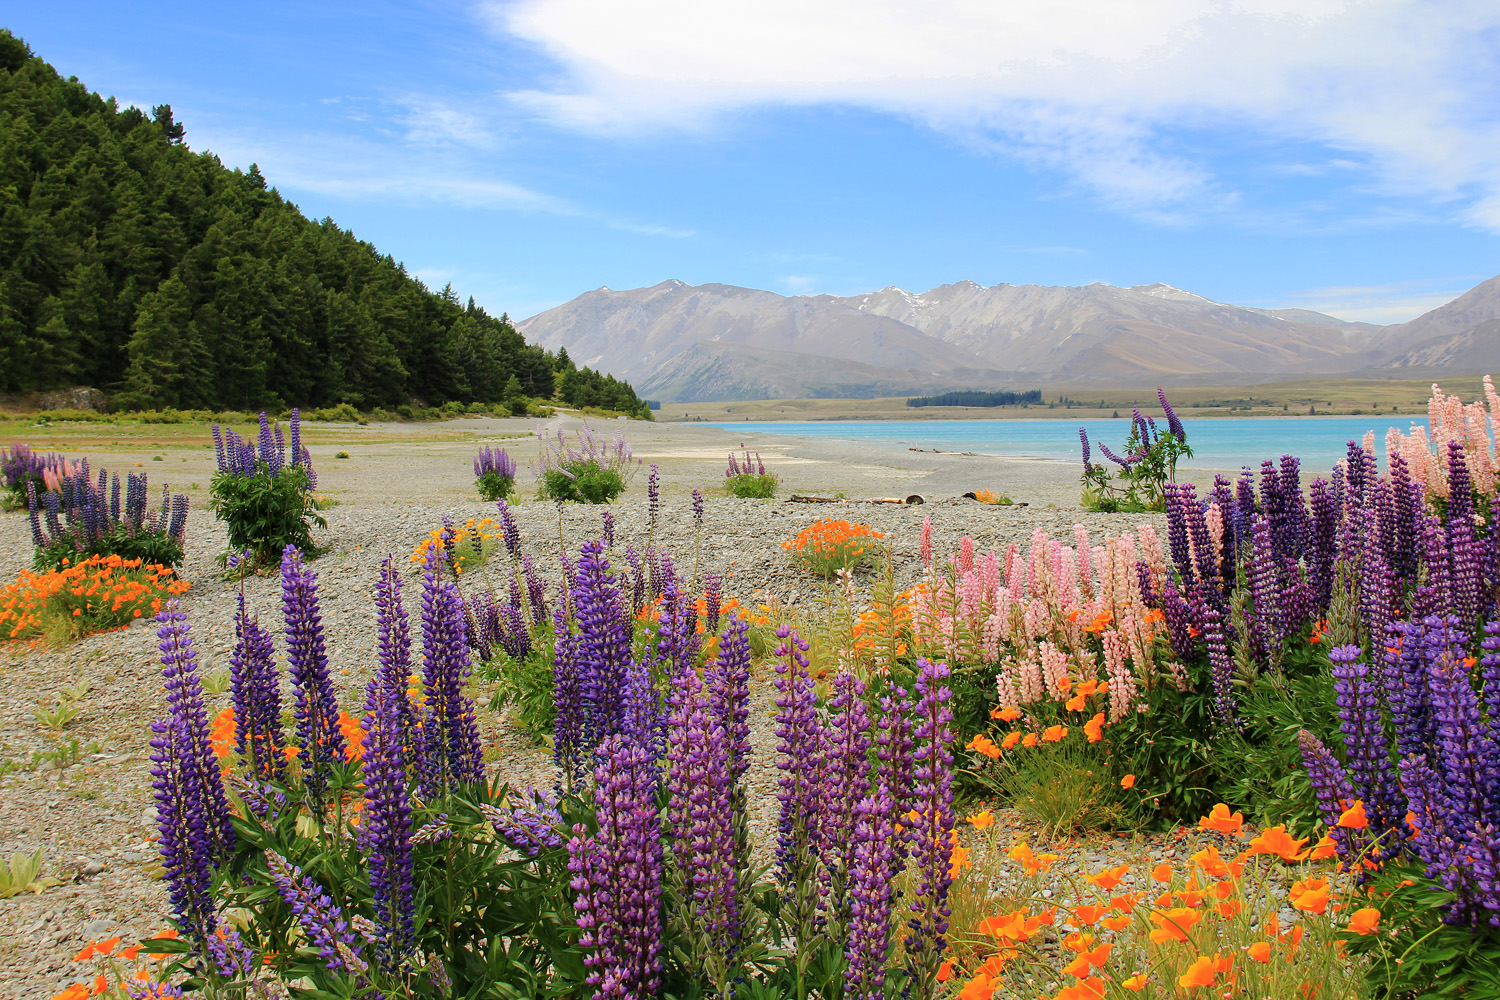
{"type": "Point", "coordinates": [1224, 443]}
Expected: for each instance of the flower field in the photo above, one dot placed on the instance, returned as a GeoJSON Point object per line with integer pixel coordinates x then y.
{"type": "Point", "coordinates": [1290, 693]}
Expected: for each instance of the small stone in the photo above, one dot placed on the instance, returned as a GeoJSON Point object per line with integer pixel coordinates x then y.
{"type": "Point", "coordinates": [96, 929]}
{"type": "Point", "coordinates": [92, 868]}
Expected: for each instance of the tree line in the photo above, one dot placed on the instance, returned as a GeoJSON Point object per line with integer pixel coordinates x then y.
{"type": "Point", "coordinates": [975, 397]}
{"type": "Point", "coordinates": [132, 264]}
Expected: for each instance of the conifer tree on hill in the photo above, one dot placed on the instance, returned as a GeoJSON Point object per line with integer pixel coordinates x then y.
{"type": "Point", "coordinates": [133, 264]}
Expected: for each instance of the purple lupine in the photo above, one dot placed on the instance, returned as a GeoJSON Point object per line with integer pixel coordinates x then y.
{"type": "Point", "coordinates": [1406, 498]}
{"type": "Point", "coordinates": [509, 531]}
{"type": "Point", "coordinates": [569, 729]}
{"type": "Point", "coordinates": [603, 652]}
{"type": "Point", "coordinates": [1357, 692]}
{"type": "Point", "coordinates": [1406, 688]}
{"type": "Point", "coordinates": [1466, 559]}
{"type": "Point", "coordinates": [895, 763]}
{"type": "Point", "coordinates": [1123, 463]}
{"type": "Point", "coordinates": [846, 780]}
{"type": "Point", "coordinates": [317, 711]}
{"type": "Point", "coordinates": [321, 919]}
{"type": "Point", "coordinates": [536, 589]}
{"type": "Point", "coordinates": [255, 692]}
{"type": "Point", "coordinates": [387, 826]}
{"type": "Point", "coordinates": [637, 580]}
{"type": "Point", "coordinates": [653, 499]}
{"type": "Point", "coordinates": [873, 867]}
{"type": "Point", "coordinates": [728, 679]}
{"type": "Point", "coordinates": [450, 751]}
{"type": "Point", "coordinates": [1269, 624]}
{"type": "Point", "coordinates": [701, 828]}
{"type": "Point", "coordinates": [1178, 614]}
{"type": "Point", "coordinates": [231, 956]}
{"type": "Point", "coordinates": [1376, 593]}
{"type": "Point", "coordinates": [617, 874]}
{"type": "Point", "coordinates": [1465, 757]}
{"type": "Point", "coordinates": [184, 689]}
{"type": "Point", "coordinates": [800, 748]}
{"type": "Point", "coordinates": [183, 823]}
{"type": "Point", "coordinates": [528, 820]}
{"type": "Point", "coordinates": [1217, 644]}
{"type": "Point", "coordinates": [1332, 788]}
{"type": "Point", "coordinates": [931, 836]}
{"type": "Point", "coordinates": [697, 510]}
{"type": "Point", "coordinates": [1174, 425]}
{"type": "Point", "coordinates": [1177, 530]}
{"type": "Point", "coordinates": [677, 637]}
{"type": "Point", "coordinates": [607, 533]}
{"type": "Point", "coordinates": [1083, 437]}
{"type": "Point", "coordinates": [713, 601]}
{"type": "Point", "coordinates": [1434, 593]}
{"type": "Point", "coordinates": [1489, 667]}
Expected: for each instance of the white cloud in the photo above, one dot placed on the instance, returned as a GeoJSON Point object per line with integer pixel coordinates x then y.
{"type": "Point", "coordinates": [1094, 88]}
{"type": "Point", "coordinates": [1394, 302]}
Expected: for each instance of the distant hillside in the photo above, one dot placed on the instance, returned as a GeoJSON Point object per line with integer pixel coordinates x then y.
{"type": "Point", "coordinates": [689, 343]}
{"type": "Point", "coordinates": [132, 264]}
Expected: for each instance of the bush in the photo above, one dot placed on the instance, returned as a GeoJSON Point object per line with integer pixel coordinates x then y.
{"type": "Point", "coordinates": [20, 465]}
{"type": "Point", "coordinates": [265, 503]}
{"type": "Point", "coordinates": [596, 471]}
{"type": "Point", "coordinates": [748, 479]}
{"type": "Point", "coordinates": [76, 518]}
{"type": "Point", "coordinates": [494, 473]}
{"type": "Point", "coordinates": [1150, 463]}
{"type": "Point", "coordinates": [94, 594]}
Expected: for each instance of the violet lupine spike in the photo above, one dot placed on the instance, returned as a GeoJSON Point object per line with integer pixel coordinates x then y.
{"type": "Point", "coordinates": [895, 764]}
{"type": "Point", "coordinates": [255, 692]}
{"type": "Point", "coordinates": [536, 589]}
{"type": "Point", "coordinates": [608, 532]}
{"type": "Point", "coordinates": [509, 531]}
{"type": "Point", "coordinates": [1466, 558]}
{"type": "Point", "coordinates": [728, 680]}
{"type": "Point", "coordinates": [1434, 592]}
{"type": "Point", "coordinates": [184, 690]}
{"type": "Point", "coordinates": [529, 820]}
{"type": "Point", "coordinates": [1357, 692]}
{"type": "Point", "coordinates": [1333, 789]}
{"type": "Point", "coordinates": [450, 751]}
{"type": "Point", "coordinates": [1123, 463]}
{"type": "Point", "coordinates": [1174, 425]}
{"type": "Point", "coordinates": [317, 711]}
{"type": "Point", "coordinates": [1489, 672]}
{"type": "Point", "coordinates": [713, 602]}
{"type": "Point", "coordinates": [1217, 644]}
{"type": "Point", "coordinates": [1177, 531]}
{"type": "Point", "coordinates": [1406, 496]}
{"type": "Point", "coordinates": [1083, 437]}
{"type": "Point", "coordinates": [1269, 625]}
{"type": "Point", "coordinates": [231, 957]}
{"type": "Point", "coordinates": [800, 749]}
{"type": "Point", "coordinates": [1406, 689]}
{"type": "Point", "coordinates": [697, 509]}
{"type": "Point", "coordinates": [846, 780]}
{"type": "Point", "coordinates": [677, 636]}
{"type": "Point", "coordinates": [387, 827]}
{"type": "Point", "coordinates": [183, 823]}
{"type": "Point", "coordinates": [1466, 758]}
{"type": "Point", "coordinates": [569, 740]}
{"type": "Point", "coordinates": [931, 836]}
{"type": "Point", "coordinates": [653, 499]}
{"type": "Point", "coordinates": [322, 921]}
{"type": "Point", "coordinates": [617, 874]}
{"type": "Point", "coordinates": [603, 653]}
{"type": "Point", "coordinates": [873, 868]}
{"type": "Point", "coordinates": [1322, 542]}
{"type": "Point", "coordinates": [701, 827]}
{"type": "Point", "coordinates": [1376, 594]}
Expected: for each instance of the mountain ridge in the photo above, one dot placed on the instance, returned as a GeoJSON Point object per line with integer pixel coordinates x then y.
{"type": "Point", "coordinates": [669, 337]}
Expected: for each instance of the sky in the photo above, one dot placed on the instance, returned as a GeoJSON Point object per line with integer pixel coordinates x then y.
{"type": "Point", "coordinates": [1338, 156]}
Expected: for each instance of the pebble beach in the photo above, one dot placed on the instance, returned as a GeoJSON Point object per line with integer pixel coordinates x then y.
{"type": "Point", "coordinates": [94, 818]}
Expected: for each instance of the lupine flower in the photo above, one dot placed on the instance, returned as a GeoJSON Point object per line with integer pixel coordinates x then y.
{"type": "Point", "coordinates": [873, 867]}
{"type": "Point", "coordinates": [617, 873]}
{"type": "Point", "coordinates": [509, 531]}
{"type": "Point", "coordinates": [184, 692]}
{"type": "Point", "coordinates": [317, 711]}
{"type": "Point", "coordinates": [387, 823]}
{"type": "Point", "coordinates": [451, 754]}
{"type": "Point", "coordinates": [697, 510]}
{"type": "Point", "coordinates": [1217, 644]}
{"type": "Point", "coordinates": [713, 602]}
{"type": "Point", "coordinates": [1083, 436]}
{"type": "Point", "coordinates": [528, 820]}
{"type": "Point", "coordinates": [1331, 786]}
{"type": "Point", "coordinates": [800, 746]}
{"type": "Point", "coordinates": [183, 822]}
{"type": "Point", "coordinates": [931, 835]}
{"type": "Point", "coordinates": [603, 654]}
{"type": "Point", "coordinates": [1357, 693]}
{"type": "Point", "coordinates": [701, 825]}
{"type": "Point", "coordinates": [895, 763]}
{"type": "Point", "coordinates": [256, 695]}
{"type": "Point", "coordinates": [608, 533]}
{"type": "Point", "coordinates": [653, 499]}
{"type": "Point", "coordinates": [322, 921]}
{"type": "Point", "coordinates": [1174, 425]}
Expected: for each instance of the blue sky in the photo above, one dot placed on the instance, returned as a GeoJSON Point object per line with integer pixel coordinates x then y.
{"type": "Point", "coordinates": [1324, 154]}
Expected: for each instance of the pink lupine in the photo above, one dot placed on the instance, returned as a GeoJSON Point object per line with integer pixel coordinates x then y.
{"type": "Point", "coordinates": [1085, 564]}
{"type": "Point", "coordinates": [1054, 668]}
{"type": "Point", "coordinates": [927, 541]}
{"type": "Point", "coordinates": [1122, 687]}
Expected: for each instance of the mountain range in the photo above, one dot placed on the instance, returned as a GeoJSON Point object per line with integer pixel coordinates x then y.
{"type": "Point", "coordinates": [691, 343]}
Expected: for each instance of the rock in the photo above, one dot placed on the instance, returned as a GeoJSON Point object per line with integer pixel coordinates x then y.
{"type": "Point", "coordinates": [96, 929]}
{"type": "Point", "coordinates": [92, 868]}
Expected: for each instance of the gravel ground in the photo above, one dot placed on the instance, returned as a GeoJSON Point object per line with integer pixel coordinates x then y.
{"type": "Point", "coordinates": [93, 816]}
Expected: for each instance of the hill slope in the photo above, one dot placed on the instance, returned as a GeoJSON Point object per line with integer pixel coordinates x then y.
{"type": "Point", "coordinates": [130, 263]}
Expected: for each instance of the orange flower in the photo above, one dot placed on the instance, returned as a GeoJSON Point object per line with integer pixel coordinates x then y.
{"type": "Point", "coordinates": [945, 971]}
{"type": "Point", "coordinates": [1094, 728]}
{"type": "Point", "coordinates": [1007, 714]}
{"type": "Point", "coordinates": [1354, 817]}
{"type": "Point", "coordinates": [1220, 819]}
{"type": "Point", "coordinates": [1200, 973]}
{"type": "Point", "coordinates": [1310, 895]}
{"type": "Point", "coordinates": [983, 820]}
{"type": "Point", "coordinates": [1091, 988]}
{"type": "Point", "coordinates": [1209, 860]}
{"type": "Point", "coordinates": [1280, 843]}
{"type": "Point", "coordinates": [1029, 740]}
{"type": "Point", "coordinates": [1116, 923]}
{"type": "Point", "coordinates": [1137, 982]}
{"type": "Point", "coordinates": [1174, 924]}
{"type": "Point", "coordinates": [1012, 739]}
{"type": "Point", "coordinates": [1128, 781]}
{"type": "Point", "coordinates": [1162, 872]}
{"type": "Point", "coordinates": [1365, 921]}
{"type": "Point", "coordinates": [1324, 848]}
{"type": "Point", "coordinates": [1126, 902]}
{"type": "Point", "coordinates": [1054, 734]}
{"type": "Point", "coordinates": [982, 744]}
{"type": "Point", "coordinates": [1110, 877]}
{"type": "Point", "coordinates": [1260, 951]}
{"type": "Point", "coordinates": [979, 988]}
{"type": "Point", "coordinates": [77, 991]}
{"type": "Point", "coordinates": [1088, 916]}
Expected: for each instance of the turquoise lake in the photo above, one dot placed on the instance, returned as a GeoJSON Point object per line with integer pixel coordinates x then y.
{"type": "Point", "coordinates": [1225, 443]}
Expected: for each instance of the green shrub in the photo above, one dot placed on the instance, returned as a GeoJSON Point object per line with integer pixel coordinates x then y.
{"type": "Point", "coordinates": [265, 502]}
{"type": "Point", "coordinates": [752, 487]}
{"type": "Point", "coordinates": [581, 482]}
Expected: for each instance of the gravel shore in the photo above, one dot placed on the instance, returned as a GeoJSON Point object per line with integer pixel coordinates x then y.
{"type": "Point", "coordinates": [94, 817]}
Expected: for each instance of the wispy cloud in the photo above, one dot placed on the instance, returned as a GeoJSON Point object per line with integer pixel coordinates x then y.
{"type": "Point", "coordinates": [1393, 302]}
{"type": "Point", "coordinates": [1094, 90]}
